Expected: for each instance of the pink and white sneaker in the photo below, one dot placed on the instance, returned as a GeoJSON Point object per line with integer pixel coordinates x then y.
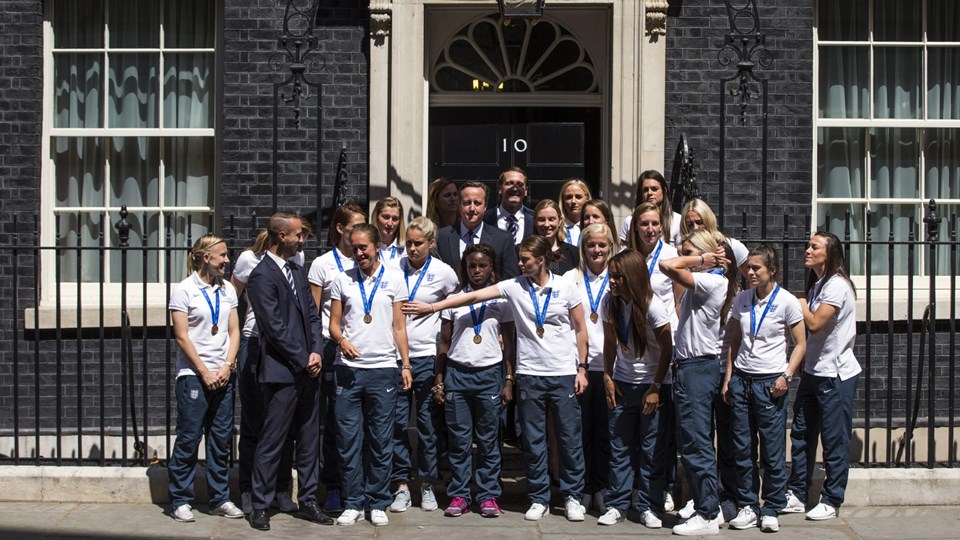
{"type": "Point", "coordinates": [490, 508]}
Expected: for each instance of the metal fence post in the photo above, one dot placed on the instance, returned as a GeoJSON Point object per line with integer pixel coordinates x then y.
{"type": "Point", "coordinates": [932, 220]}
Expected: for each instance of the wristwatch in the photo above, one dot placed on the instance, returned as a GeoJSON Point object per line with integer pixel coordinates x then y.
{"type": "Point", "coordinates": [789, 378]}
{"type": "Point", "coordinates": [657, 385]}
{"type": "Point", "coordinates": [582, 366]}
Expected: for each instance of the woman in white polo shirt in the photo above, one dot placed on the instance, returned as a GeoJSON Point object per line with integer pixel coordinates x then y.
{"type": "Point", "coordinates": [637, 350]}
{"type": "Point", "coordinates": [755, 386]}
{"type": "Point", "coordinates": [574, 193]}
{"type": "Point", "coordinates": [823, 406]}
{"type": "Point", "coordinates": [387, 217]}
{"type": "Point", "coordinates": [428, 279]}
{"type": "Point", "coordinates": [473, 382]}
{"type": "Point", "coordinates": [203, 308]}
{"type": "Point", "coordinates": [646, 236]}
{"type": "Point", "coordinates": [591, 279]}
{"type": "Point", "coordinates": [323, 271]}
{"type": "Point", "coordinates": [711, 283]}
{"type": "Point", "coordinates": [653, 187]}
{"type": "Point", "coordinates": [551, 369]}
{"type": "Point", "coordinates": [367, 325]}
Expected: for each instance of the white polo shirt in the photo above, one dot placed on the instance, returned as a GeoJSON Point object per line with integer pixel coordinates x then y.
{"type": "Point", "coordinates": [437, 282]}
{"type": "Point", "coordinates": [573, 233]}
{"type": "Point", "coordinates": [830, 350]}
{"type": "Point", "coordinates": [766, 351]}
{"type": "Point", "coordinates": [245, 264]}
{"type": "Point", "coordinates": [594, 329]}
{"type": "Point", "coordinates": [188, 298]}
{"type": "Point", "coordinates": [323, 270]}
{"type": "Point", "coordinates": [555, 353]}
{"type": "Point", "coordinates": [675, 237]}
{"type": "Point", "coordinates": [391, 254]}
{"type": "Point", "coordinates": [661, 284]}
{"type": "Point", "coordinates": [698, 333]}
{"type": "Point", "coordinates": [740, 251]}
{"type": "Point", "coordinates": [463, 350]}
{"type": "Point", "coordinates": [374, 341]}
{"type": "Point", "coordinates": [629, 367]}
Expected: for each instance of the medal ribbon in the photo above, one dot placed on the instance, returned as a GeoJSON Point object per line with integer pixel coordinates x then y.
{"type": "Point", "coordinates": [406, 276]}
{"type": "Point", "coordinates": [754, 324]}
{"type": "Point", "coordinates": [393, 252]}
{"type": "Point", "coordinates": [656, 255]}
{"type": "Point", "coordinates": [595, 304]}
{"type": "Point", "coordinates": [215, 312]}
{"type": "Point", "coordinates": [336, 257]}
{"type": "Point", "coordinates": [814, 294]}
{"type": "Point", "coordinates": [541, 315]}
{"type": "Point", "coordinates": [477, 318]}
{"type": "Point", "coordinates": [570, 236]}
{"type": "Point", "coordinates": [368, 302]}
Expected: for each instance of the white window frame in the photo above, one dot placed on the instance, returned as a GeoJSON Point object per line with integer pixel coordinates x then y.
{"type": "Point", "coordinates": [880, 282]}
{"type": "Point", "coordinates": [89, 292]}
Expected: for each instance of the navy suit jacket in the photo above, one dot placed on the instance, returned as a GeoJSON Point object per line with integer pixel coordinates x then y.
{"type": "Point", "coordinates": [490, 218]}
{"type": "Point", "coordinates": [448, 247]}
{"type": "Point", "coordinates": [290, 326]}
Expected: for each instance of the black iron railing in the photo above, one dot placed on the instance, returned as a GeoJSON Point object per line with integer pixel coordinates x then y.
{"type": "Point", "coordinates": [89, 382]}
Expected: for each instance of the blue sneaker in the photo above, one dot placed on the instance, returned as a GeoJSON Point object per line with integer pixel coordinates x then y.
{"type": "Point", "coordinates": [333, 502]}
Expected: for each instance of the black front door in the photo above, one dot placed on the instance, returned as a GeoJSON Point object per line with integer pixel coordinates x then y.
{"type": "Point", "coordinates": [550, 144]}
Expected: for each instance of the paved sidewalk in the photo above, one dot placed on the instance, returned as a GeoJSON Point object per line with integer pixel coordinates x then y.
{"type": "Point", "coordinates": [73, 520]}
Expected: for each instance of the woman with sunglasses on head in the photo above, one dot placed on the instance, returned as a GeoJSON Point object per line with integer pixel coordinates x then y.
{"type": "Point", "coordinates": [428, 279]}
{"type": "Point", "coordinates": [474, 380]}
{"type": "Point", "coordinates": [370, 330]}
{"type": "Point", "coordinates": [637, 350]}
{"type": "Point", "coordinates": [203, 308]}
{"type": "Point", "coordinates": [756, 384]}
{"type": "Point", "coordinates": [697, 215]}
{"type": "Point", "coordinates": [573, 194]}
{"type": "Point", "coordinates": [591, 279]}
{"type": "Point", "coordinates": [551, 369]}
{"type": "Point", "coordinates": [547, 223]}
{"type": "Point", "coordinates": [710, 282]}
{"type": "Point", "coordinates": [387, 217]}
{"type": "Point", "coordinates": [652, 187]}
{"type": "Point", "coordinates": [823, 406]}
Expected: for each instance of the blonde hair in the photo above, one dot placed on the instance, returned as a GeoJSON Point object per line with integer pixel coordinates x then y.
{"type": "Point", "coordinates": [591, 230]}
{"type": "Point", "coordinates": [433, 192]}
{"type": "Point", "coordinates": [426, 226]}
{"type": "Point", "coordinates": [702, 209]}
{"type": "Point", "coordinates": [633, 240]}
{"type": "Point", "coordinates": [390, 202]}
{"type": "Point", "coordinates": [549, 203]}
{"type": "Point", "coordinates": [573, 182]}
{"type": "Point", "coordinates": [203, 246]}
{"type": "Point", "coordinates": [261, 243]}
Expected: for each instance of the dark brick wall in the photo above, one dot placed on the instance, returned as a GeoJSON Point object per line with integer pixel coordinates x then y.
{"type": "Point", "coordinates": [695, 34]}
{"type": "Point", "coordinates": [251, 29]}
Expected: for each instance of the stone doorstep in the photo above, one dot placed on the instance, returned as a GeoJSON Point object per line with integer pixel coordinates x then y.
{"type": "Point", "coordinates": [866, 487]}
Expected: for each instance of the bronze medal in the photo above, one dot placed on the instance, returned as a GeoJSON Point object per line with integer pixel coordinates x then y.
{"type": "Point", "coordinates": [539, 331]}
{"type": "Point", "coordinates": [367, 318]}
{"type": "Point", "coordinates": [477, 339]}
{"type": "Point", "coordinates": [214, 330]}
{"type": "Point", "coordinates": [594, 317]}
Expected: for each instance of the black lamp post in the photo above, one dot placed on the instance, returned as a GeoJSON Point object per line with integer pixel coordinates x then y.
{"type": "Point", "coordinates": [521, 9]}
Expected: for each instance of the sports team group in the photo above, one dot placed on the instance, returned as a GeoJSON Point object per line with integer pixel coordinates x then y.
{"type": "Point", "coordinates": [610, 351]}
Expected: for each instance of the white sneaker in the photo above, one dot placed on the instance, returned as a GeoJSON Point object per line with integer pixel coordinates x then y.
{"type": "Point", "coordinates": [535, 512]}
{"type": "Point", "coordinates": [610, 517]}
{"type": "Point", "coordinates": [821, 512]}
{"type": "Point", "coordinates": [284, 503]}
{"type": "Point", "coordinates": [573, 510]}
{"type": "Point", "coordinates": [769, 524]}
{"type": "Point", "coordinates": [246, 502]}
{"type": "Point", "coordinates": [428, 501]}
{"type": "Point", "coordinates": [378, 518]}
{"type": "Point", "coordinates": [746, 519]}
{"type": "Point", "coordinates": [349, 517]}
{"type": "Point", "coordinates": [401, 501]}
{"type": "Point", "coordinates": [668, 501]}
{"type": "Point", "coordinates": [650, 520]}
{"type": "Point", "coordinates": [183, 513]}
{"type": "Point", "coordinates": [227, 510]}
{"type": "Point", "coordinates": [599, 502]}
{"type": "Point", "coordinates": [697, 526]}
{"type": "Point", "coordinates": [687, 511]}
{"type": "Point", "coordinates": [719, 519]}
{"type": "Point", "coordinates": [794, 505]}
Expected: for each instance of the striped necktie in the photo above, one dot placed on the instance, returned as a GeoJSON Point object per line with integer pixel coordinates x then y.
{"type": "Point", "coordinates": [512, 227]}
{"type": "Point", "coordinates": [288, 271]}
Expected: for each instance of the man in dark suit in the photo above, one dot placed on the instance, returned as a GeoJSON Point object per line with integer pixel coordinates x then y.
{"type": "Point", "coordinates": [291, 344]}
{"type": "Point", "coordinates": [453, 240]}
{"type": "Point", "coordinates": [511, 215]}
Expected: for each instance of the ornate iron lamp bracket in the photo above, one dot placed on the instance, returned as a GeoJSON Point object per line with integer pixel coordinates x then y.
{"type": "Point", "coordinates": [745, 44]}
{"type": "Point", "coordinates": [298, 53]}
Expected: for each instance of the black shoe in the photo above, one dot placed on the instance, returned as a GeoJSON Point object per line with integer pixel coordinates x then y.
{"type": "Point", "coordinates": [311, 512]}
{"type": "Point", "coordinates": [260, 520]}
